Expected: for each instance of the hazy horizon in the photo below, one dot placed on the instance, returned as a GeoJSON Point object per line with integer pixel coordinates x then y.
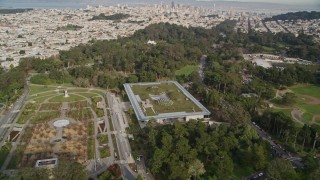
{"type": "Point", "coordinates": [267, 4]}
{"type": "Point", "coordinates": [290, 2]}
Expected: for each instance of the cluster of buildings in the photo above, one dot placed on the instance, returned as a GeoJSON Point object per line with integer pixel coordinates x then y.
{"type": "Point", "coordinates": [40, 33]}
{"type": "Point", "coordinates": [247, 21]}
{"type": "Point", "coordinates": [268, 60]}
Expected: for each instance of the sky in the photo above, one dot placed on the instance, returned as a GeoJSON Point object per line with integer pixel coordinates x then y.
{"type": "Point", "coordinates": [315, 2]}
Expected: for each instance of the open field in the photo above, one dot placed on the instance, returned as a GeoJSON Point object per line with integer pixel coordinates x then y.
{"type": "Point", "coordinates": [187, 70]}
{"type": "Point", "coordinates": [307, 101]}
{"type": "Point", "coordinates": [180, 103]}
{"type": "Point", "coordinates": [34, 89]}
{"type": "Point", "coordinates": [285, 111]}
{"type": "Point", "coordinates": [88, 94]}
{"type": "Point", "coordinates": [309, 90]}
{"type": "Point", "coordinates": [61, 98]}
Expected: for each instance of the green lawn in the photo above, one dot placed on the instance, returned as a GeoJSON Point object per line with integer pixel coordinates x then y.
{"type": "Point", "coordinates": [91, 148]}
{"type": "Point", "coordinates": [310, 111]}
{"type": "Point", "coordinates": [42, 94]}
{"type": "Point", "coordinates": [104, 152]}
{"type": "Point", "coordinates": [103, 139]}
{"type": "Point", "coordinates": [186, 70]}
{"type": "Point", "coordinates": [37, 89]}
{"type": "Point", "coordinates": [97, 92]}
{"type": "Point", "coordinates": [88, 94]}
{"type": "Point", "coordinates": [302, 102]}
{"type": "Point", "coordinates": [310, 90]}
{"type": "Point", "coordinates": [90, 129]}
{"type": "Point", "coordinates": [77, 90]}
{"type": "Point", "coordinates": [61, 98]}
{"type": "Point", "coordinates": [285, 111]}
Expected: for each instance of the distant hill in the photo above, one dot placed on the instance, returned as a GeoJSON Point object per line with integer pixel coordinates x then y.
{"type": "Point", "coordinates": [293, 16]}
{"type": "Point", "coordinates": [117, 16]}
{"type": "Point", "coordinates": [14, 11]}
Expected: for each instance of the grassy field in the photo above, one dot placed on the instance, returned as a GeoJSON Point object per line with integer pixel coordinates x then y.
{"type": "Point", "coordinates": [305, 95]}
{"type": "Point", "coordinates": [310, 90]}
{"type": "Point", "coordinates": [310, 111]}
{"type": "Point", "coordinates": [285, 111]}
{"type": "Point", "coordinates": [186, 70]}
{"type": "Point", "coordinates": [304, 103]}
{"type": "Point", "coordinates": [103, 139]}
{"type": "Point", "coordinates": [180, 102]}
{"type": "Point", "coordinates": [61, 98]}
{"type": "Point", "coordinates": [37, 89]}
{"type": "Point", "coordinates": [91, 147]}
{"type": "Point", "coordinates": [88, 94]}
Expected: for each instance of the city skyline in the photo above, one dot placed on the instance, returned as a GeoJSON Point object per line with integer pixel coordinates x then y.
{"type": "Point", "coordinates": [289, 2]}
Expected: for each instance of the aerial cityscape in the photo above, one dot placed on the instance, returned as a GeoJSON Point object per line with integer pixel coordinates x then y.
{"type": "Point", "coordinates": [194, 89]}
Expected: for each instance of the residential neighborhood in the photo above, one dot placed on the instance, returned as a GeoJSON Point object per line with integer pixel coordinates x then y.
{"type": "Point", "coordinates": [43, 33]}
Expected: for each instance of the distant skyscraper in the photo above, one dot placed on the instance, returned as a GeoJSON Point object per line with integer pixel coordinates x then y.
{"type": "Point", "coordinates": [172, 5]}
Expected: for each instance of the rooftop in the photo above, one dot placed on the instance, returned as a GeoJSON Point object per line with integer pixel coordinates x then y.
{"type": "Point", "coordinates": [163, 100]}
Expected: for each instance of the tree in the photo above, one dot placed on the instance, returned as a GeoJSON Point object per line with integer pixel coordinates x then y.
{"type": "Point", "coordinates": [213, 98]}
{"type": "Point", "coordinates": [133, 79]}
{"type": "Point", "coordinates": [316, 131]}
{"type": "Point", "coordinates": [157, 160]}
{"type": "Point", "coordinates": [196, 169]}
{"type": "Point", "coordinates": [69, 170]}
{"type": "Point", "coordinates": [139, 177]}
{"type": "Point", "coordinates": [259, 157]}
{"type": "Point", "coordinates": [222, 165]}
{"type": "Point", "coordinates": [315, 174]}
{"type": "Point", "coordinates": [280, 169]}
{"type": "Point", "coordinates": [305, 133]}
{"type": "Point", "coordinates": [289, 98]}
{"type": "Point", "coordinates": [33, 173]}
{"type": "Point", "coordinates": [105, 176]}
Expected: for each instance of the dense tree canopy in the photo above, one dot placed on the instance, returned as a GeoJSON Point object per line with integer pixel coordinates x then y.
{"type": "Point", "coordinates": [182, 151]}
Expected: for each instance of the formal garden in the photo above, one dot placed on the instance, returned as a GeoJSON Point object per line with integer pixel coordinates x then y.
{"type": "Point", "coordinates": [59, 124]}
